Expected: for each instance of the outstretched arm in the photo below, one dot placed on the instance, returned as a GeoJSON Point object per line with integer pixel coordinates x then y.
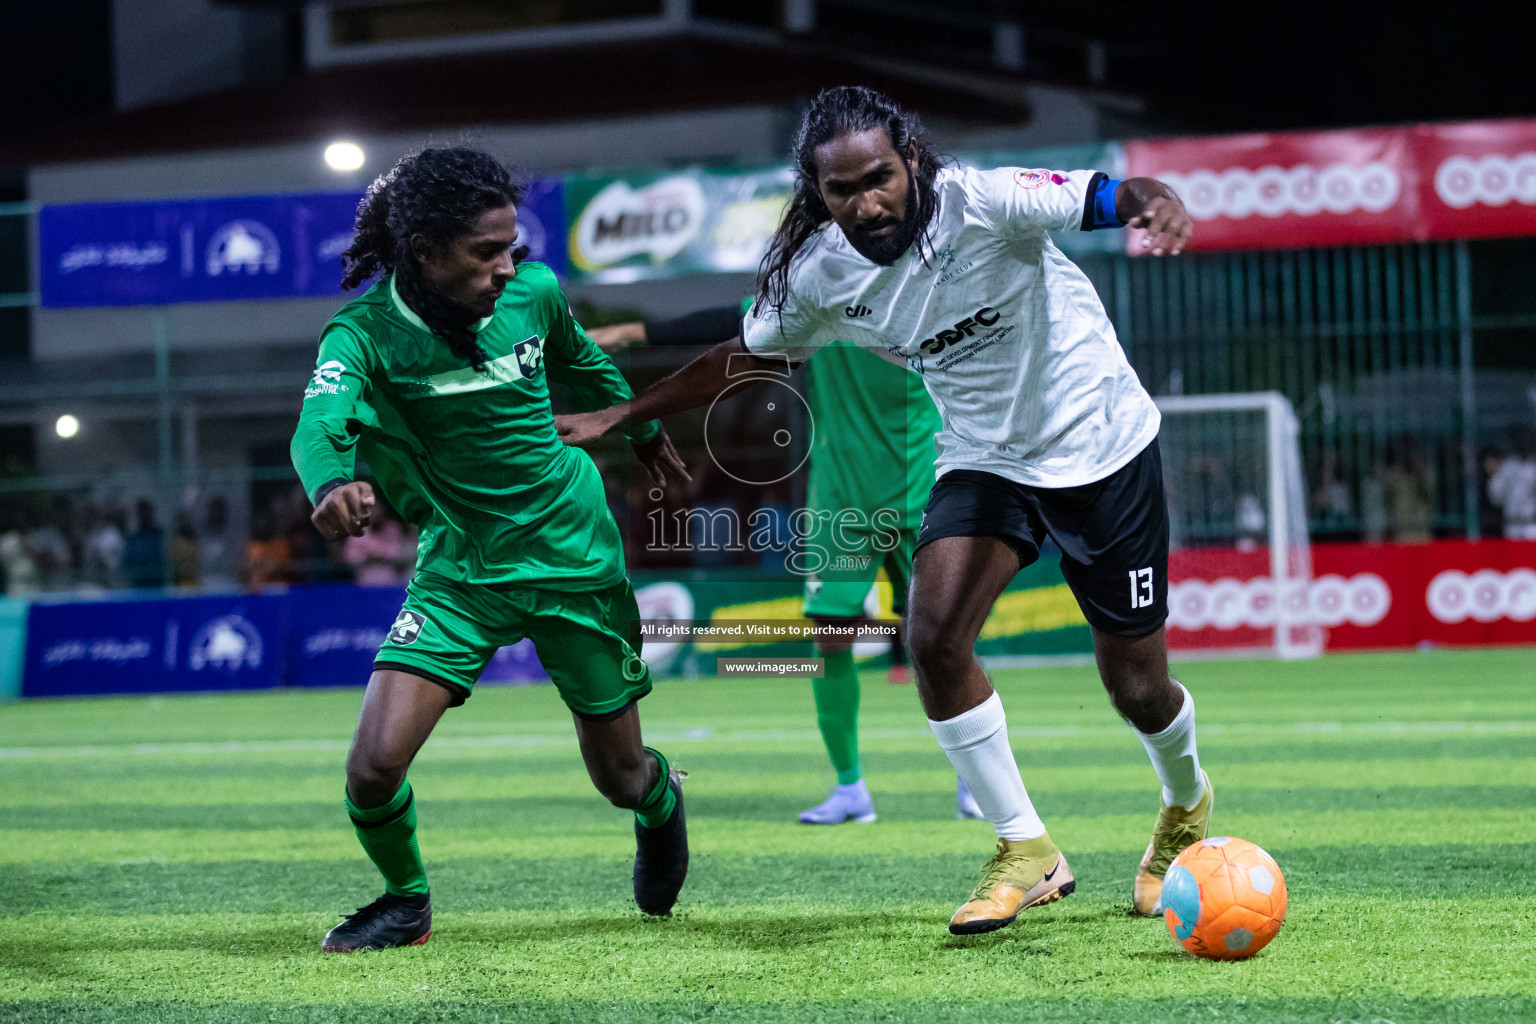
{"type": "Point", "coordinates": [1149, 204]}
{"type": "Point", "coordinates": [694, 385]}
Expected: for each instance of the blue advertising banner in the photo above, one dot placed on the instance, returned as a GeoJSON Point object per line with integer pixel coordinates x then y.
{"type": "Point", "coordinates": [204, 643]}
{"type": "Point", "coordinates": [199, 250]}
{"type": "Point", "coordinates": [336, 631]}
{"type": "Point", "coordinates": [304, 636]}
{"type": "Point", "coordinates": [541, 223]}
{"type": "Point", "coordinates": [215, 250]}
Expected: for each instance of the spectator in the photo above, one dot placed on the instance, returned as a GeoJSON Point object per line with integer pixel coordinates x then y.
{"type": "Point", "coordinates": [266, 553]}
{"type": "Point", "coordinates": [144, 549]}
{"type": "Point", "coordinates": [1512, 486]}
{"type": "Point", "coordinates": [218, 551]}
{"type": "Point", "coordinates": [1332, 501]}
{"type": "Point", "coordinates": [21, 573]}
{"type": "Point", "coordinates": [1408, 491]}
{"type": "Point", "coordinates": [101, 558]}
{"type": "Point", "coordinates": [770, 540]}
{"type": "Point", "coordinates": [385, 555]}
{"type": "Point", "coordinates": [310, 558]}
{"type": "Point", "coordinates": [185, 563]}
{"type": "Point", "coordinates": [51, 548]}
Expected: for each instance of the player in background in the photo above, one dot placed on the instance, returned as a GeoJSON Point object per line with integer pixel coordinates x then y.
{"type": "Point", "coordinates": [1046, 432]}
{"type": "Point", "coordinates": [873, 455]}
{"type": "Point", "coordinates": [438, 375]}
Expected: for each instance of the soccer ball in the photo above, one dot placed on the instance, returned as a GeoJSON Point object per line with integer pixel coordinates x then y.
{"type": "Point", "coordinates": [1224, 898]}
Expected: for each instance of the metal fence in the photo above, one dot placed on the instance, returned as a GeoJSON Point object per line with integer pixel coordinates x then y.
{"type": "Point", "coordinates": [1373, 346]}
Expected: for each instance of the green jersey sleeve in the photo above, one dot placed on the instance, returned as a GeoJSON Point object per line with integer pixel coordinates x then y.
{"type": "Point", "coordinates": [336, 405]}
{"type": "Point", "coordinates": [574, 360]}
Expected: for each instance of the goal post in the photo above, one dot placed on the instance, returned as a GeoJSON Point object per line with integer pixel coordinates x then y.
{"type": "Point", "coordinates": [1240, 560]}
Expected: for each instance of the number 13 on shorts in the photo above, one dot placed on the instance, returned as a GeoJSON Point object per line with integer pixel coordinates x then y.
{"type": "Point", "coordinates": [1141, 587]}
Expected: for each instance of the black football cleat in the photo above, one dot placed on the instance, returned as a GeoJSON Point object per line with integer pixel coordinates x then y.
{"type": "Point", "coordinates": [661, 859]}
{"type": "Point", "coordinates": [386, 923]}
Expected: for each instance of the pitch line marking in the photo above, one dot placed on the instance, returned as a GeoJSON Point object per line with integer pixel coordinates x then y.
{"type": "Point", "coordinates": [1505, 728]}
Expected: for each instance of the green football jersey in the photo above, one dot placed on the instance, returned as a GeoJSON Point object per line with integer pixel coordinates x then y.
{"type": "Point", "coordinates": [874, 425]}
{"type": "Point", "coordinates": [472, 458]}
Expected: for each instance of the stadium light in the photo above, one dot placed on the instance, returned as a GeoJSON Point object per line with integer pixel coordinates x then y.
{"type": "Point", "coordinates": [344, 156]}
{"type": "Point", "coordinates": [66, 426]}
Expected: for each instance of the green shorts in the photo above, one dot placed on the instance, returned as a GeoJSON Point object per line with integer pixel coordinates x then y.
{"type": "Point", "coordinates": [839, 589]}
{"type": "Point", "coordinates": [587, 640]}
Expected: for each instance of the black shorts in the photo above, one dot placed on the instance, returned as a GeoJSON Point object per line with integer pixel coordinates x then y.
{"type": "Point", "coordinates": [1113, 534]}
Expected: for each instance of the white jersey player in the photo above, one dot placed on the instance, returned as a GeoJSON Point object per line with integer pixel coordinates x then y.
{"type": "Point", "coordinates": [1046, 433]}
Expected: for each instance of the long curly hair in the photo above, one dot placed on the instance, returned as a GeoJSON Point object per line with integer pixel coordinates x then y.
{"type": "Point", "coordinates": [844, 110]}
{"type": "Point", "coordinates": [438, 194]}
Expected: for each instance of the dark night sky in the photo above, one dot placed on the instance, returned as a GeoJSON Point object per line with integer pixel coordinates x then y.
{"type": "Point", "coordinates": [1201, 66]}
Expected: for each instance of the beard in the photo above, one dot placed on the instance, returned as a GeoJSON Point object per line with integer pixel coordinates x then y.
{"type": "Point", "coordinates": [886, 249]}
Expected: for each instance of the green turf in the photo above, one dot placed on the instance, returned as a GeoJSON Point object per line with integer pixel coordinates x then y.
{"type": "Point", "coordinates": [177, 859]}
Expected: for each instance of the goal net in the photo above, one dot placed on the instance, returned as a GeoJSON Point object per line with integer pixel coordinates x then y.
{"type": "Point", "coordinates": [1240, 564]}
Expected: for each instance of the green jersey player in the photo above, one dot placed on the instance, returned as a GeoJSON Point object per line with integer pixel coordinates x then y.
{"type": "Point", "coordinates": [871, 469]}
{"type": "Point", "coordinates": [438, 375]}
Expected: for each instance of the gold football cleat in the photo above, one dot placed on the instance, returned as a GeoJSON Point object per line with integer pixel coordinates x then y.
{"type": "Point", "coordinates": [1176, 829]}
{"type": "Point", "coordinates": [1023, 873]}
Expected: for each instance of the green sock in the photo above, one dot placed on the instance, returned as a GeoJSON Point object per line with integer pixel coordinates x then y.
{"type": "Point", "coordinates": [656, 810]}
{"type": "Point", "coordinates": [837, 713]}
{"type": "Point", "coordinates": [388, 835]}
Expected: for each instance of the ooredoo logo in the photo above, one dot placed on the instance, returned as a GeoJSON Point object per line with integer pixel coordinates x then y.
{"type": "Point", "coordinates": [1272, 191]}
{"type": "Point", "coordinates": [1331, 600]}
{"type": "Point", "coordinates": [1486, 595]}
{"type": "Point", "coordinates": [1492, 180]}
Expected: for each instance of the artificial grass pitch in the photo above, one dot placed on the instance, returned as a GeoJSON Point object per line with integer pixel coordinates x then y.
{"type": "Point", "coordinates": [178, 859]}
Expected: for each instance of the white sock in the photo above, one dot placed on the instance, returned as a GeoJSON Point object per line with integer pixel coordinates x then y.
{"type": "Point", "coordinates": [852, 788]}
{"type": "Point", "coordinates": [1174, 757]}
{"type": "Point", "coordinates": [977, 745]}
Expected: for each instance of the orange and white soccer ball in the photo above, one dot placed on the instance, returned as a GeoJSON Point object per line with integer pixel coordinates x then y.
{"type": "Point", "coordinates": [1224, 898]}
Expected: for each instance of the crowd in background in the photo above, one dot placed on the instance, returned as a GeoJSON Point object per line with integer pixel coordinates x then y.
{"type": "Point", "coordinates": [84, 546]}
{"type": "Point", "coordinates": [59, 544]}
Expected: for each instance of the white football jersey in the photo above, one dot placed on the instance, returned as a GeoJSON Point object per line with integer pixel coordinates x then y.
{"type": "Point", "coordinates": [1008, 334]}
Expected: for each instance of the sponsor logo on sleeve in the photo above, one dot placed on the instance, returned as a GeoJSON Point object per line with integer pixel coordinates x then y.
{"type": "Point", "coordinates": [1039, 179]}
{"type": "Point", "coordinates": [327, 380]}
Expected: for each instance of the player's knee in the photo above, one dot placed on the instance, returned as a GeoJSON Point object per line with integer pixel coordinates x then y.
{"type": "Point", "coordinates": [937, 651]}
{"type": "Point", "coordinates": [1138, 696]}
{"type": "Point", "coordinates": [625, 789]}
{"type": "Point", "coordinates": [373, 779]}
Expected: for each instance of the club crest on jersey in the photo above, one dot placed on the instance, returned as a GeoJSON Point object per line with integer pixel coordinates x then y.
{"type": "Point", "coordinates": [1038, 179]}
{"type": "Point", "coordinates": [529, 357]}
{"type": "Point", "coordinates": [406, 628]}
{"type": "Point", "coordinates": [327, 380]}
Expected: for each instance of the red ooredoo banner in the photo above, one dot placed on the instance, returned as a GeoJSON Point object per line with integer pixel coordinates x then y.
{"type": "Point", "coordinates": [1362, 595]}
{"type": "Point", "coordinates": [1276, 191]}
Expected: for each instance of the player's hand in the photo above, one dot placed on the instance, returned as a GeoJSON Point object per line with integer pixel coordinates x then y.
{"type": "Point", "coordinates": [618, 336]}
{"type": "Point", "coordinates": [661, 461]}
{"type": "Point", "coordinates": [345, 511]}
{"type": "Point", "coordinates": [1167, 225]}
{"type": "Point", "coordinates": [582, 428]}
